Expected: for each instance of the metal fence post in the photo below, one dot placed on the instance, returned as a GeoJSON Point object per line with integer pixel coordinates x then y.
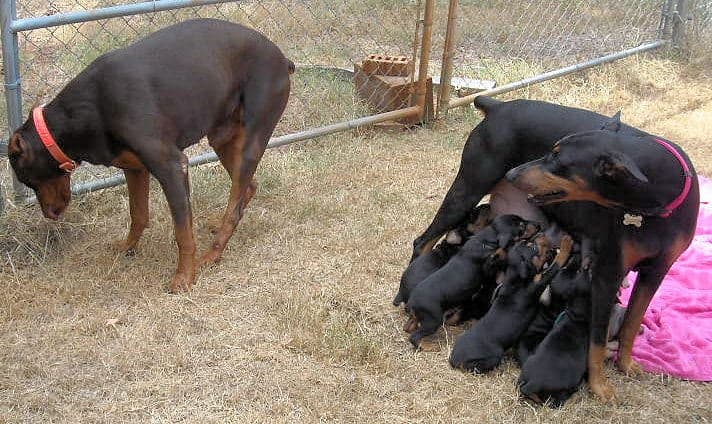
{"type": "Point", "coordinates": [681, 16]}
{"type": "Point", "coordinates": [13, 89]}
{"type": "Point", "coordinates": [448, 53]}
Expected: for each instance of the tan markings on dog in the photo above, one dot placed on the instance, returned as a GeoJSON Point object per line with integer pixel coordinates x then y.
{"type": "Point", "coordinates": [543, 183]}
{"type": "Point", "coordinates": [632, 254]}
{"type": "Point", "coordinates": [427, 247]}
{"type": "Point", "coordinates": [557, 148]}
{"type": "Point", "coordinates": [411, 325]}
{"type": "Point", "coordinates": [543, 246]}
{"type": "Point", "coordinates": [562, 256]}
{"type": "Point", "coordinates": [127, 160]}
{"type": "Point", "coordinates": [598, 382]}
{"type": "Point", "coordinates": [677, 248]}
{"type": "Point", "coordinates": [54, 193]}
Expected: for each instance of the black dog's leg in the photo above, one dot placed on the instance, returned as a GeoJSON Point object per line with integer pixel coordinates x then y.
{"type": "Point", "coordinates": [606, 278]}
{"type": "Point", "coordinates": [646, 285]}
{"type": "Point", "coordinates": [480, 169]}
{"type": "Point", "coordinates": [429, 324]}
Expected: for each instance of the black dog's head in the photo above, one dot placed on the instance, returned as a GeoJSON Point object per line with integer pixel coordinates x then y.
{"type": "Point", "coordinates": [480, 217]}
{"type": "Point", "coordinates": [588, 166]}
{"type": "Point", "coordinates": [36, 168]}
{"type": "Point", "coordinates": [528, 257]}
{"type": "Point", "coordinates": [511, 228]}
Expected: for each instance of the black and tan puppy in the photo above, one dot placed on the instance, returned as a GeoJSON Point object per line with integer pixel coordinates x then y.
{"type": "Point", "coordinates": [481, 349]}
{"type": "Point", "coordinates": [557, 367]}
{"type": "Point", "coordinates": [426, 264]}
{"type": "Point", "coordinates": [463, 275]}
{"type": "Point", "coordinates": [546, 315]}
{"type": "Point", "coordinates": [137, 108]}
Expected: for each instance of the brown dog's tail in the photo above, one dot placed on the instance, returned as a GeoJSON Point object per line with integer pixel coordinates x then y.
{"type": "Point", "coordinates": [484, 103]}
{"type": "Point", "coordinates": [290, 66]}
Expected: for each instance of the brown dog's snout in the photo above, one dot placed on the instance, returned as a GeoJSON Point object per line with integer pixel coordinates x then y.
{"type": "Point", "coordinates": [53, 196]}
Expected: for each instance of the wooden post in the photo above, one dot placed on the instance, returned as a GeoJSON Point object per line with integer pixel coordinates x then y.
{"type": "Point", "coordinates": [448, 54]}
{"type": "Point", "coordinates": [425, 47]}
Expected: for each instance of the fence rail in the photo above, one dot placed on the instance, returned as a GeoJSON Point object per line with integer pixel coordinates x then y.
{"type": "Point", "coordinates": [512, 44]}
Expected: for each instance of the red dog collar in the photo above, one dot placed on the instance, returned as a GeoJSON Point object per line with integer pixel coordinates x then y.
{"type": "Point", "coordinates": [670, 208]}
{"type": "Point", "coordinates": [65, 163]}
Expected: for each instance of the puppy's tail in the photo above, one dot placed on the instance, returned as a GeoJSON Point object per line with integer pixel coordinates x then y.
{"type": "Point", "coordinates": [484, 103]}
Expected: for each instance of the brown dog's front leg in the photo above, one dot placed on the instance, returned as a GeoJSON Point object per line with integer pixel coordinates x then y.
{"type": "Point", "coordinates": [173, 176]}
{"type": "Point", "coordinates": [138, 185]}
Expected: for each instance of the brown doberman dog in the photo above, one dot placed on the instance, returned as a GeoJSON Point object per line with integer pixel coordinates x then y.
{"type": "Point", "coordinates": [138, 107]}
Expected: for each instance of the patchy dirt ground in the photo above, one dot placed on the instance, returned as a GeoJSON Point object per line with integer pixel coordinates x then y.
{"type": "Point", "coordinates": [295, 324]}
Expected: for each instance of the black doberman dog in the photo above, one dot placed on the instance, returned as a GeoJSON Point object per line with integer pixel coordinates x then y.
{"type": "Point", "coordinates": [455, 283]}
{"type": "Point", "coordinates": [636, 197]}
{"type": "Point", "coordinates": [426, 264]}
{"type": "Point", "coordinates": [519, 131]}
{"type": "Point", "coordinates": [138, 107]}
{"type": "Point", "coordinates": [481, 348]}
{"type": "Point", "coordinates": [557, 367]}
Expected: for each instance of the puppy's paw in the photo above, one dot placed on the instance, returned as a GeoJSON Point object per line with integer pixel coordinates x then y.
{"type": "Point", "coordinates": [567, 243]}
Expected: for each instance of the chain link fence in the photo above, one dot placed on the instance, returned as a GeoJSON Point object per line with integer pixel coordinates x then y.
{"type": "Point", "coordinates": [495, 42]}
{"type": "Point", "coordinates": [321, 36]}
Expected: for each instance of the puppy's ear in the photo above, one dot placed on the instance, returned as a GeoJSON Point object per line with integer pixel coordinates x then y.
{"type": "Point", "coordinates": [523, 270]}
{"type": "Point", "coordinates": [617, 166]}
{"type": "Point", "coordinates": [613, 124]}
{"type": "Point", "coordinates": [504, 239]}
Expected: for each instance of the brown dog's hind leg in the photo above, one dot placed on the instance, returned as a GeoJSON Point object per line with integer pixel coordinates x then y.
{"type": "Point", "coordinates": [138, 185]}
{"type": "Point", "coordinates": [240, 155]}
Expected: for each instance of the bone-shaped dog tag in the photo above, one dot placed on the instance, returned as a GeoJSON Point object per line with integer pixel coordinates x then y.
{"type": "Point", "coordinates": [629, 219]}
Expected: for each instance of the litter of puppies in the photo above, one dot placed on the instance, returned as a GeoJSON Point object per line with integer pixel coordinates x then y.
{"type": "Point", "coordinates": [528, 286]}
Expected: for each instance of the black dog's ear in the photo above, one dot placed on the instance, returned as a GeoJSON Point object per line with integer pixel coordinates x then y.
{"type": "Point", "coordinates": [618, 166]}
{"type": "Point", "coordinates": [613, 124]}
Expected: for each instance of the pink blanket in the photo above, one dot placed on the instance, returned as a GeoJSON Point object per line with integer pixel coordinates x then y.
{"type": "Point", "coordinates": [677, 328]}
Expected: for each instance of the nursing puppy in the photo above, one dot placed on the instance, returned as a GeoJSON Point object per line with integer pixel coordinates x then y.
{"type": "Point", "coordinates": [462, 277]}
{"type": "Point", "coordinates": [426, 264]}
{"type": "Point", "coordinates": [481, 349]}
{"type": "Point", "coordinates": [557, 367]}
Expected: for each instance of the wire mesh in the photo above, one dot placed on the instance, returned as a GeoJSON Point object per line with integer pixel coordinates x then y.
{"type": "Point", "coordinates": [504, 41]}
{"type": "Point", "coordinates": [496, 40]}
{"type": "Point", "coordinates": [320, 36]}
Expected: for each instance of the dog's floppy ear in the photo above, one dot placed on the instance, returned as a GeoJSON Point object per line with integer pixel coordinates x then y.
{"type": "Point", "coordinates": [16, 146]}
{"type": "Point", "coordinates": [617, 166]}
{"type": "Point", "coordinates": [613, 124]}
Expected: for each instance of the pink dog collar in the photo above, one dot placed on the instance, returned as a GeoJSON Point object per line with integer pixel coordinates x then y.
{"type": "Point", "coordinates": [670, 208]}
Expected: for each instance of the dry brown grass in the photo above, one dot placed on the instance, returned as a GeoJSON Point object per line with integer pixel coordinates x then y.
{"type": "Point", "coordinates": [296, 323]}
